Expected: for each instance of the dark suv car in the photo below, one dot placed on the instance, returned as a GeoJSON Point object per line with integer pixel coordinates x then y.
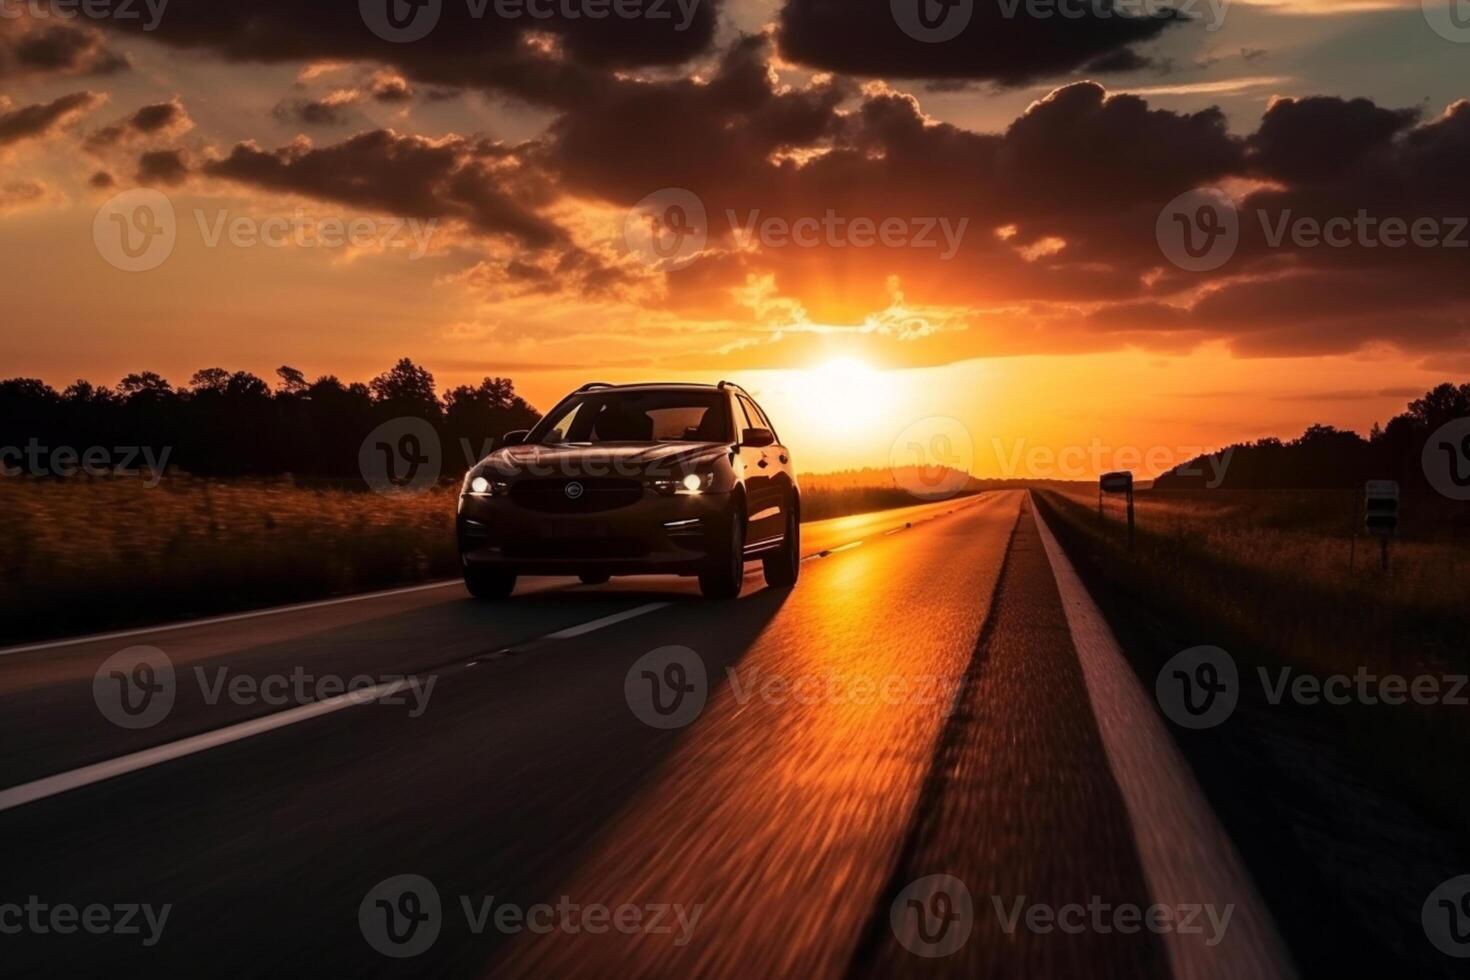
{"type": "Point", "coordinates": [635, 480]}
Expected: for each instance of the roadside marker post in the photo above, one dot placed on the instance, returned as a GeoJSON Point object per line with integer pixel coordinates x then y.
{"type": "Point", "coordinates": [1119, 482]}
{"type": "Point", "coordinates": [1381, 513]}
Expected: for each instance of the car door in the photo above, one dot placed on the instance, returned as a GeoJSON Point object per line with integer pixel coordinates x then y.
{"type": "Point", "coordinates": [761, 466]}
{"type": "Point", "coordinates": [783, 469]}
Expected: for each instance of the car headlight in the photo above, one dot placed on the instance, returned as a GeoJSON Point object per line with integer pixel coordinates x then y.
{"type": "Point", "coordinates": [480, 486]}
{"type": "Point", "coordinates": [688, 485]}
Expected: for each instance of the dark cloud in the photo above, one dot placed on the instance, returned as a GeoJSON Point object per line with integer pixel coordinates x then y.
{"type": "Point", "coordinates": [167, 167]}
{"type": "Point", "coordinates": [477, 182]}
{"type": "Point", "coordinates": [29, 48]}
{"type": "Point", "coordinates": [157, 119]}
{"type": "Point", "coordinates": [102, 180]}
{"type": "Point", "coordinates": [1062, 208]}
{"type": "Point", "coordinates": [37, 120]}
{"type": "Point", "coordinates": [312, 112]}
{"type": "Point", "coordinates": [863, 37]}
{"type": "Point", "coordinates": [1310, 139]}
{"type": "Point", "coordinates": [1120, 61]}
{"type": "Point", "coordinates": [391, 88]}
{"type": "Point", "coordinates": [16, 194]}
{"type": "Point", "coordinates": [462, 50]}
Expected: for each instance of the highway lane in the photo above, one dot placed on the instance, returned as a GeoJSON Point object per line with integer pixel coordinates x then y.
{"type": "Point", "coordinates": [853, 732]}
{"type": "Point", "coordinates": [49, 720]}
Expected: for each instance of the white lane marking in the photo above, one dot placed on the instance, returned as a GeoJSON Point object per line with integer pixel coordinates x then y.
{"type": "Point", "coordinates": [845, 547]}
{"type": "Point", "coordinates": [64, 782]}
{"type": "Point", "coordinates": [1186, 855]}
{"type": "Point", "coordinates": [597, 624]}
{"type": "Point", "coordinates": [232, 618]}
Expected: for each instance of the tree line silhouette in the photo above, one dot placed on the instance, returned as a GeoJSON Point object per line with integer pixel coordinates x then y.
{"type": "Point", "coordinates": [1324, 457]}
{"type": "Point", "coordinates": [235, 424]}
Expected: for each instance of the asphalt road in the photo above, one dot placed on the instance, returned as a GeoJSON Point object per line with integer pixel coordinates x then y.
{"type": "Point", "coordinates": [924, 759]}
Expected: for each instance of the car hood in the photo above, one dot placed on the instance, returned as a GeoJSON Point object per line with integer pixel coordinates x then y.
{"type": "Point", "coordinates": [605, 459]}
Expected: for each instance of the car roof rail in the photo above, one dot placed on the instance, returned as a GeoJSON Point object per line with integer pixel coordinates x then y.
{"type": "Point", "coordinates": [595, 384]}
{"type": "Point", "coordinates": [731, 384]}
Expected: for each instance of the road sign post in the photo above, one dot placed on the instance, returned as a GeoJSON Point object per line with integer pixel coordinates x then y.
{"type": "Point", "coordinates": [1119, 482]}
{"type": "Point", "coordinates": [1381, 513]}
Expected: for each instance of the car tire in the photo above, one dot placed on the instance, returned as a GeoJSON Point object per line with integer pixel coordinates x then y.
{"type": "Point", "coordinates": [722, 578]}
{"type": "Point", "coordinates": [782, 567]}
{"type": "Point", "coordinates": [594, 579]}
{"type": "Point", "coordinates": [488, 583]}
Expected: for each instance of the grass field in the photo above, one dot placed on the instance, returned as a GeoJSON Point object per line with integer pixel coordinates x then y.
{"type": "Point", "coordinates": [1276, 579]}
{"type": "Point", "coordinates": [93, 554]}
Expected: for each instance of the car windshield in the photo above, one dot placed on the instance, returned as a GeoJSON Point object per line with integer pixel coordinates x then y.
{"type": "Point", "coordinates": [634, 415]}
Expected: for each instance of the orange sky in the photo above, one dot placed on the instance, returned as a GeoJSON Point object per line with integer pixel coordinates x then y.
{"type": "Point", "coordinates": [1024, 292]}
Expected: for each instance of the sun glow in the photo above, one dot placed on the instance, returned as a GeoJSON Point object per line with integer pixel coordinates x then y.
{"type": "Point", "coordinates": [843, 397]}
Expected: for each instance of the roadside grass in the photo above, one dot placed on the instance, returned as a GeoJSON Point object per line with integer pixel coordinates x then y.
{"type": "Point", "coordinates": [84, 555]}
{"type": "Point", "coordinates": [1273, 578]}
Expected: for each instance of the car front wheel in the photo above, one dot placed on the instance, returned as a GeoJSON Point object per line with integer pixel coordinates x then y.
{"type": "Point", "coordinates": [721, 579]}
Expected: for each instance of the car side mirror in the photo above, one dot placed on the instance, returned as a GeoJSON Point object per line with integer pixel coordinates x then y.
{"type": "Point", "coordinates": [757, 438]}
{"type": "Point", "coordinates": [514, 438]}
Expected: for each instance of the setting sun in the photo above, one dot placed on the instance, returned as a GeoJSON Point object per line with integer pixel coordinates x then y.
{"type": "Point", "coordinates": [841, 398]}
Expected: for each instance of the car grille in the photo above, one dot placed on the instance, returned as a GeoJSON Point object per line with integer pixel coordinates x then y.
{"type": "Point", "coordinates": [598, 494]}
{"type": "Point", "coordinates": [573, 548]}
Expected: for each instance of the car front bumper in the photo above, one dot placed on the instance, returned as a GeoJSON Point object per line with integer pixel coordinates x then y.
{"type": "Point", "coordinates": [656, 534]}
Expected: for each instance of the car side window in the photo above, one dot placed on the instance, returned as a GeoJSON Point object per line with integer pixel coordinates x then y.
{"type": "Point", "coordinates": [765, 422]}
{"type": "Point", "coordinates": [747, 414]}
